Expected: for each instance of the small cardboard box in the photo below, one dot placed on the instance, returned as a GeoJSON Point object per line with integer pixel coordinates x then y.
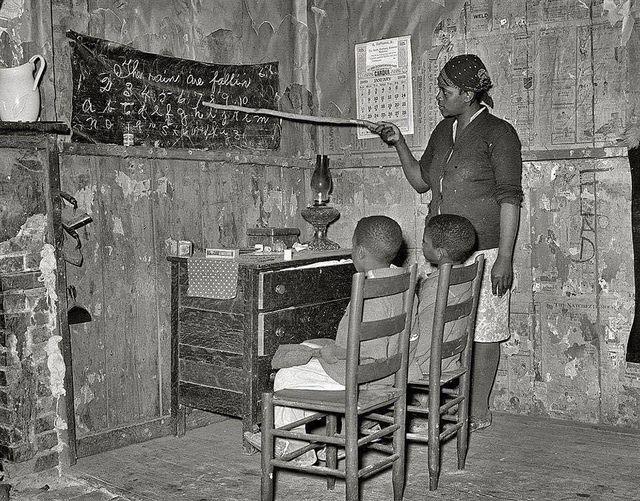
{"type": "Point", "coordinates": [268, 236]}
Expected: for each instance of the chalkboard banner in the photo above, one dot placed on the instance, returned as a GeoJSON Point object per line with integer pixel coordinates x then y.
{"type": "Point", "coordinates": [125, 96]}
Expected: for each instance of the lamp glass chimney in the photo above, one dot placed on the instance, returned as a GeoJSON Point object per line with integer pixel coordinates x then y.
{"type": "Point", "coordinates": [321, 182]}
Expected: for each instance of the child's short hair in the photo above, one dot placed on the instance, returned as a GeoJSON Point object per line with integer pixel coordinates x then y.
{"type": "Point", "coordinates": [380, 235]}
{"type": "Point", "coordinates": [453, 233]}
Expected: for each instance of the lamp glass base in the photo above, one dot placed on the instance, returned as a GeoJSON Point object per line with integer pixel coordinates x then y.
{"type": "Point", "coordinates": [320, 216]}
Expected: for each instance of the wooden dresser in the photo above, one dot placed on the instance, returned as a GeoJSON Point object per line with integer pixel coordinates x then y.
{"type": "Point", "coordinates": [222, 349]}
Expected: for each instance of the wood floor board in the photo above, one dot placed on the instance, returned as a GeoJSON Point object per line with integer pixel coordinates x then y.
{"type": "Point", "coordinates": [518, 458]}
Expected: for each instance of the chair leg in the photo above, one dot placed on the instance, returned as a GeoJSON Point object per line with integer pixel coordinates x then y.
{"type": "Point", "coordinates": [351, 460]}
{"type": "Point", "coordinates": [463, 444]}
{"type": "Point", "coordinates": [181, 421]}
{"type": "Point", "coordinates": [434, 450]}
{"type": "Point", "coordinates": [399, 441]}
{"type": "Point", "coordinates": [267, 489]}
{"type": "Point", "coordinates": [463, 416]}
{"type": "Point", "coordinates": [332, 451]}
{"type": "Point", "coordinates": [463, 434]}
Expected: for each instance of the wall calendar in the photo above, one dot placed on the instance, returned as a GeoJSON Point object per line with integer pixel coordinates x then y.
{"type": "Point", "coordinates": [383, 83]}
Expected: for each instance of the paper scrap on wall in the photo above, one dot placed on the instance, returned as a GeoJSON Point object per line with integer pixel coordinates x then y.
{"type": "Point", "coordinates": [620, 11]}
{"type": "Point", "coordinates": [11, 9]}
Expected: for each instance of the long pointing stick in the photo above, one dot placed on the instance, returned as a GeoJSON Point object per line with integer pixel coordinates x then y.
{"type": "Point", "coordinates": [292, 116]}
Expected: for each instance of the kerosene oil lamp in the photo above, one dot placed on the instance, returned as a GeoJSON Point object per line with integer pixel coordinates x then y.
{"type": "Point", "coordinates": [319, 214]}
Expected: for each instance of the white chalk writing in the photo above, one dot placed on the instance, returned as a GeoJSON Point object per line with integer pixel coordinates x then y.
{"type": "Point", "coordinates": [160, 100]}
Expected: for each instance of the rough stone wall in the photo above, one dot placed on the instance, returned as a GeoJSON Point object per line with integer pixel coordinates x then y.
{"type": "Point", "coordinates": [32, 420]}
{"type": "Point", "coordinates": [33, 429]}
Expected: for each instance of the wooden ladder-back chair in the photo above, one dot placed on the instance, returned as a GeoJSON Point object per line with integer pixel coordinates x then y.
{"type": "Point", "coordinates": [354, 402]}
{"type": "Point", "coordinates": [448, 392]}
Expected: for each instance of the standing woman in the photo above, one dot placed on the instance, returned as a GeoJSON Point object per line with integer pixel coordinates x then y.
{"type": "Point", "coordinates": [473, 166]}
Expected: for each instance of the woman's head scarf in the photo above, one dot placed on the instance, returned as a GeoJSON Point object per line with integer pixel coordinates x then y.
{"type": "Point", "coordinates": [468, 73]}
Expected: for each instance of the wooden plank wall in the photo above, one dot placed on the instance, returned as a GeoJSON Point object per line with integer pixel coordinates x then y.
{"type": "Point", "coordinates": [121, 358]}
{"type": "Point", "coordinates": [218, 31]}
{"type": "Point", "coordinates": [566, 82]}
{"type": "Point", "coordinates": [138, 201]}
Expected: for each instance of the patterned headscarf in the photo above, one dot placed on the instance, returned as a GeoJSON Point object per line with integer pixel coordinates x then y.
{"type": "Point", "coordinates": [468, 73]}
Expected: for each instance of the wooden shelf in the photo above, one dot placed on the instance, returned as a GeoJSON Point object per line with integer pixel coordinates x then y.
{"type": "Point", "coordinates": [34, 128]}
{"type": "Point", "coordinates": [239, 157]}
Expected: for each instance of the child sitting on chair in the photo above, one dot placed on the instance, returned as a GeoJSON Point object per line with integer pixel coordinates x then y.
{"type": "Point", "coordinates": [447, 238]}
{"type": "Point", "coordinates": [320, 364]}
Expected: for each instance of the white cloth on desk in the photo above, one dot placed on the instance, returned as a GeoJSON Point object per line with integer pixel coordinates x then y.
{"type": "Point", "coordinates": [310, 376]}
{"type": "Point", "coordinates": [320, 264]}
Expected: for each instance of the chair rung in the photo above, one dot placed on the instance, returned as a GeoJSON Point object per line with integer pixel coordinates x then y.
{"type": "Point", "coordinates": [304, 420]}
{"type": "Point", "coordinates": [309, 437]}
{"type": "Point", "coordinates": [315, 406]}
{"type": "Point", "coordinates": [450, 391]}
{"type": "Point", "coordinates": [417, 437]}
{"type": "Point", "coordinates": [376, 405]}
{"type": "Point", "coordinates": [373, 468]}
{"type": "Point", "coordinates": [378, 434]}
{"type": "Point", "coordinates": [453, 410]}
{"type": "Point", "coordinates": [382, 448]}
{"type": "Point", "coordinates": [316, 470]}
{"type": "Point", "coordinates": [449, 417]}
{"type": "Point", "coordinates": [445, 378]}
{"type": "Point", "coordinates": [450, 403]}
{"type": "Point", "coordinates": [380, 417]}
{"type": "Point", "coordinates": [299, 452]}
{"type": "Point", "coordinates": [452, 430]}
{"type": "Point", "coordinates": [416, 409]}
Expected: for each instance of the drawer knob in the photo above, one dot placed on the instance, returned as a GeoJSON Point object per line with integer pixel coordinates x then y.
{"type": "Point", "coordinates": [281, 289]}
{"type": "Point", "coordinates": [279, 332]}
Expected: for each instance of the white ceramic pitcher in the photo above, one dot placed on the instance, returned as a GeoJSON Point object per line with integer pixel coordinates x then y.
{"type": "Point", "coordinates": [19, 94]}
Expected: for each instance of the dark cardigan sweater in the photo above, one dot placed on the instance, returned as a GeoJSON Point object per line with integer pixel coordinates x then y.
{"type": "Point", "coordinates": [474, 176]}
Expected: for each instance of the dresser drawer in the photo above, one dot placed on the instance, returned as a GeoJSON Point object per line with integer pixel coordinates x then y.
{"type": "Point", "coordinates": [211, 330]}
{"type": "Point", "coordinates": [292, 287]}
{"type": "Point", "coordinates": [294, 325]}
